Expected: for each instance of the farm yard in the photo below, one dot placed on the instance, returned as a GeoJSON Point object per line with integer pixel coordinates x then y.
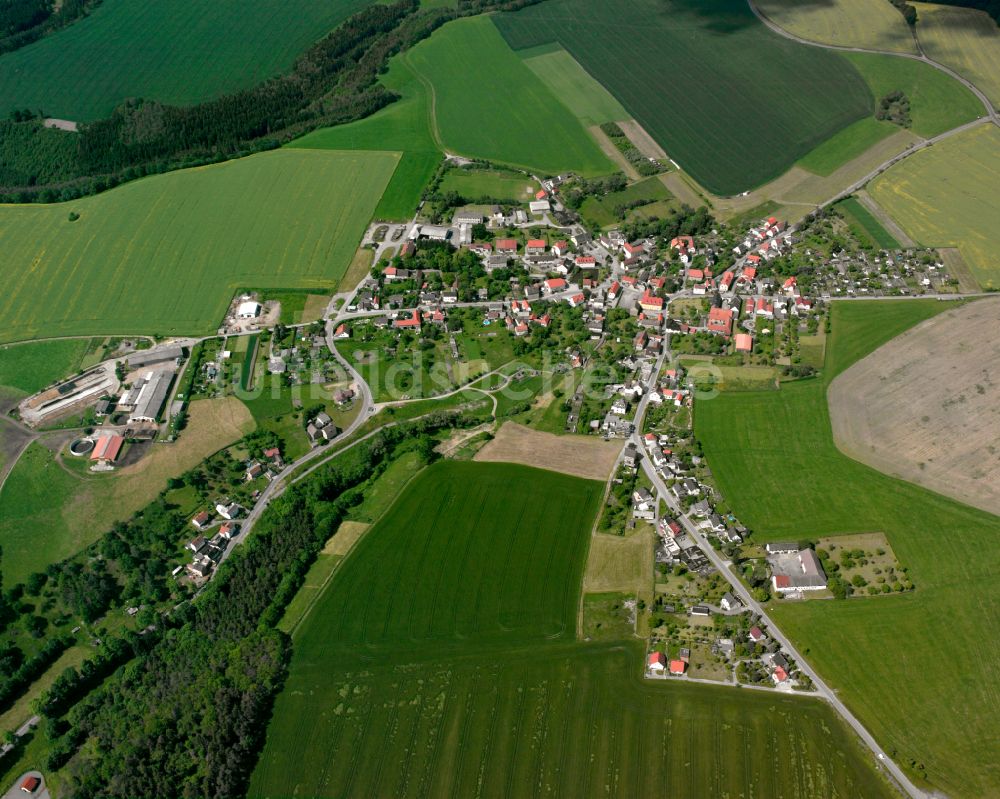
{"type": "Point", "coordinates": [946, 197]}
{"type": "Point", "coordinates": [776, 462]}
{"type": "Point", "coordinates": [284, 219]}
{"type": "Point", "coordinates": [652, 55]}
{"type": "Point", "coordinates": [942, 440]}
{"type": "Point", "coordinates": [179, 52]}
{"type": "Point", "coordinates": [46, 502]}
{"type": "Point", "coordinates": [965, 39]}
{"type": "Point", "coordinates": [848, 23]}
{"type": "Point", "coordinates": [518, 121]}
{"type": "Point", "coordinates": [453, 671]}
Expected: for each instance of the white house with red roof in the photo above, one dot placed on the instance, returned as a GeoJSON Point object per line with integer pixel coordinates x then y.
{"type": "Point", "coordinates": [720, 321]}
{"type": "Point", "coordinates": [656, 663]}
{"type": "Point", "coordinates": [586, 262]}
{"type": "Point", "coordinates": [726, 282]}
{"type": "Point", "coordinates": [561, 248]}
{"type": "Point", "coordinates": [506, 246]}
{"type": "Point", "coordinates": [650, 302]}
{"type": "Point", "coordinates": [341, 331]}
{"type": "Point", "coordinates": [614, 290]}
{"type": "Point", "coordinates": [554, 284]}
{"type": "Point", "coordinates": [534, 247]}
{"type": "Point", "coordinates": [576, 300]}
{"type": "Point", "coordinates": [407, 321]}
{"type": "Point", "coordinates": [678, 667]}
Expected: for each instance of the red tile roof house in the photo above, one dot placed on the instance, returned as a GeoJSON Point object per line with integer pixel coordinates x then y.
{"type": "Point", "coordinates": [506, 246]}
{"type": "Point", "coordinates": [408, 322]}
{"type": "Point", "coordinates": [30, 784]}
{"type": "Point", "coordinates": [727, 281]}
{"type": "Point", "coordinates": [657, 662]}
{"type": "Point", "coordinates": [613, 290]}
{"type": "Point", "coordinates": [341, 331]}
{"type": "Point", "coordinates": [541, 194]}
{"type": "Point", "coordinates": [554, 284]}
{"type": "Point", "coordinates": [696, 274]}
{"type": "Point", "coordinates": [586, 262]}
{"type": "Point", "coordinates": [779, 675]}
{"type": "Point", "coordinates": [649, 302]}
{"type": "Point", "coordinates": [576, 299]}
{"type": "Point", "coordinates": [633, 250]}
{"type": "Point", "coordinates": [678, 666]}
{"type": "Point", "coordinates": [682, 243]}
{"type": "Point", "coordinates": [560, 248]}
{"type": "Point", "coordinates": [744, 342]}
{"type": "Point", "coordinates": [789, 284]}
{"type": "Point", "coordinates": [534, 247]}
{"type": "Point", "coordinates": [201, 520]}
{"type": "Point", "coordinates": [756, 635]}
{"type": "Point", "coordinates": [720, 320]}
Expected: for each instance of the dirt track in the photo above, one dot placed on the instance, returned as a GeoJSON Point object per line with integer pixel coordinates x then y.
{"type": "Point", "coordinates": [925, 408]}
{"type": "Point", "coordinates": [580, 456]}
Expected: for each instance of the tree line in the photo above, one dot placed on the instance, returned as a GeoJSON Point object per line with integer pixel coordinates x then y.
{"type": "Point", "coordinates": [183, 713]}
{"type": "Point", "coordinates": [335, 81]}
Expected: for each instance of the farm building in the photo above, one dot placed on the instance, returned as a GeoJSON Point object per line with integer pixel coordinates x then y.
{"type": "Point", "coordinates": [678, 667]}
{"type": "Point", "coordinates": [138, 360]}
{"type": "Point", "coordinates": [657, 662]}
{"type": "Point", "coordinates": [152, 395]}
{"type": "Point", "coordinates": [248, 310]}
{"type": "Point", "coordinates": [107, 448]}
{"type": "Point", "coordinates": [801, 573]}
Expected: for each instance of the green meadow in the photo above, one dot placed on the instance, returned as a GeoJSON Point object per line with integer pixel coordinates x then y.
{"type": "Point", "coordinates": [865, 225]}
{"type": "Point", "coordinates": [917, 669]}
{"type": "Point", "coordinates": [488, 104]}
{"type": "Point", "coordinates": [403, 127]}
{"type": "Point", "coordinates": [165, 254]}
{"type": "Point", "coordinates": [30, 367]}
{"type": "Point", "coordinates": [441, 661]}
{"type": "Point", "coordinates": [176, 51]}
{"type": "Point", "coordinates": [769, 102]}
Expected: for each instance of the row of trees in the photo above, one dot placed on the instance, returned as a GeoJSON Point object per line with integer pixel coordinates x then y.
{"type": "Point", "coordinates": [187, 716]}
{"type": "Point", "coordinates": [335, 81]}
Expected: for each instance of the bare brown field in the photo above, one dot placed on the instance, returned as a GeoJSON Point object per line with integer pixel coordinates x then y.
{"type": "Point", "coordinates": [923, 407]}
{"type": "Point", "coordinates": [620, 563]}
{"type": "Point", "coordinates": [360, 265]}
{"type": "Point", "coordinates": [581, 456]}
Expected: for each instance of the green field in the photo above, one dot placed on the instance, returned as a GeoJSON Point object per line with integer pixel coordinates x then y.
{"type": "Point", "coordinates": [32, 366]}
{"type": "Point", "coordinates": [404, 127]}
{"type": "Point", "coordinates": [175, 51]}
{"type": "Point", "coordinates": [865, 225]}
{"type": "Point", "coordinates": [964, 39]}
{"type": "Point", "coordinates": [513, 119]}
{"type": "Point", "coordinates": [945, 196]}
{"type": "Point", "coordinates": [769, 102]}
{"type": "Point", "coordinates": [846, 145]}
{"type": "Point", "coordinates": [476, 184]}
{"type": "Point", "coordinates": [165, 254]}
{"type": "Point", "coordinates": [776, 463]}
{"type": "Point", "coordinates": [584, 96]}
{"type": "Point", "coordinates": [848, 23]}
{"type": "Point", "coordinates": [440, 661]}
{"type": "Point", "coordinates": [601, 211]}
{"type": "Point", "coordinates": [938, 102]}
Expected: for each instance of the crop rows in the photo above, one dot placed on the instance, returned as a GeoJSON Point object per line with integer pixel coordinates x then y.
{"type": "Point", "coordinates": [769, 100]}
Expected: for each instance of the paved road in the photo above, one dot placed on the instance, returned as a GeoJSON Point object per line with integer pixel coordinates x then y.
{"type": "Point", "coordinates": [991, 112]}
{"type": "Point", "coordinates": [723, 566]}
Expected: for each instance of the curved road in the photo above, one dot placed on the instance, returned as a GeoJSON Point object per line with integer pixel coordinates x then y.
{"type": "Point", "coordinates": [991, 112]}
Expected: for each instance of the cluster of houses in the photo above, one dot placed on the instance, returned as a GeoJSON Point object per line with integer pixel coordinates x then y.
{"type": "Point", "coordinates": [322, 428]}
{"type": "Point", "coordinates": [216, 530]}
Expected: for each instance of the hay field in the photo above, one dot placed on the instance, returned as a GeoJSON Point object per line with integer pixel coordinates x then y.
{"type": "Point", "coordinates": [620, 563]}
{"type": "Point", "coordinates": [946, 196]}
{"type": "Point", "coordinates": [942, 436]}
{"type": "Point", "coordinates": [770, 100]}
{"type": "Point", "coordinates": [441, 661]}
{"type": "Point", "coordinates": [873, 24]}
{"type": "Point", "coordinates": [582, 456]}
{"type": "Point", "coordinates": [574, 86]}
{"type": "Point", "coordinates": [47, 513]}
{"type": "Point", "coordinates": [165, 254]}
{"type": "Point", "coordinates": [964, 39]}
{"type": "Point", "coordinates": [517, 121]}
{"type": "Point", "coordinates": [776, 463]}
{"type": "Point", "coordinates": [176, 51]}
